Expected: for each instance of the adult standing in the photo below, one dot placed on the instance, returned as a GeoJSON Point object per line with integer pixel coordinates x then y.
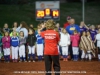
{"type": "Point", "coordinates": [51, 54]}
{"type": "Point", "coordinates": [70, 29]}
{"type": "Point", "coordinates": [23, 27]}
{"type": "Point", "coordinates": [68, 22]}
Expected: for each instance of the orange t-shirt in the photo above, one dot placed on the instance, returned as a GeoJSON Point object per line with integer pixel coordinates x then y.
{"type": "Point", "coordinates": [51, 39]}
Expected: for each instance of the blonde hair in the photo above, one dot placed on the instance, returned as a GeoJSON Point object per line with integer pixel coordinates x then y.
{"type": "Point", "coordinates": [50, 24]}
{"type": "Point", "coordinates": [63, 30]}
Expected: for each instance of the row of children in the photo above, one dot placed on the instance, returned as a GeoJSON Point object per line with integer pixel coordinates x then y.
{"type": "Point", "coordinates": [15, 45]}
{"type": "Point", "coordinates": [84, 42]}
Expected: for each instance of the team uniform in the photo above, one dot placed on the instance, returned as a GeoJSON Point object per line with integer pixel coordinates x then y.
{"type": "Point", "coordinates": [0, 47]}
{"type": "Point", "coordinates": [98, 45]}
{"type": "Point", "coordinates": [39, 46]}
{"type": "Point", "coordinates": [22, 42]}
{"type": "Point", "coordinates": [64, 43]}
{"type": "Point", "coordinates": [75, 46]}
{"type": "Point", "coordinates": [6, 47]}
{"type": "Point", "coordinates": [51, 39]}
{"type": "Point", "coordinates": [31, 40]}
{"type": "Point", "coordinates": [15, 47]}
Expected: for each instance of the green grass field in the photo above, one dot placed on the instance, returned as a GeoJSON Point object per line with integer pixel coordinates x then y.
{"type": "Point", "coordinates": [11, 13]}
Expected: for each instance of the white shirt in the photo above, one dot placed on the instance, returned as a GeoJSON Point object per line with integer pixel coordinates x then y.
{"type": "Point", "coordinates": [64, 39]}
{"type": "Point", "coordinates": [98, 40]}
{"type": "Point", "coordinates": [24, 30]}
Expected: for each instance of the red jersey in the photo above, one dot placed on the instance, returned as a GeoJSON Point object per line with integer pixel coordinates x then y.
{"type": "Point", "coordinates": [66, 24]}
{"type": "Point", "coordinates": [51, 39]}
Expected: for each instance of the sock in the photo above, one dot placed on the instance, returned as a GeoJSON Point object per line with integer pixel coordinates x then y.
{"type": "Point", "coordinates": [39, 58]}
{"type": "Point", "coordinates": [21, 58]}
{"type": "Point", "coordinates": [98, 56]}
{"type": "Point", "coordinates": [64, 56]}
{"type": "Point", "coordinates": [29, 56]}
{"type": "Point", "coordinates": [24, 59]}
{"type": "Point", "coordinates": [5, 58]}
{"type": "Point", "coordinates": [74, 57]}
{"type": "Point", "coordinates": [8, 57]}
{"type": "Point", "coordinates": [33, 55]}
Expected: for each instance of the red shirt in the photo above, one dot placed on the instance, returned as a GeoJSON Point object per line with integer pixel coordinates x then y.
{"type": "Point", "coordinates": [66, 24]}
{"type": "Point", "coordinates": [51, 39]}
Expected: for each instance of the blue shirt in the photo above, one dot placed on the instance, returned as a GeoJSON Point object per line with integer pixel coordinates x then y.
{"type": "Point", "coordinates": [14, 41]}
{"type": "Point", "coordinates": [39, 39]}
{"type": "Point", "coordinates": [70, 29]}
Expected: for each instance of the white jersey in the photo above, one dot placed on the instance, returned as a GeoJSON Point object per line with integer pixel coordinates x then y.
{"type": "Point", "coordinates": [98, 40]}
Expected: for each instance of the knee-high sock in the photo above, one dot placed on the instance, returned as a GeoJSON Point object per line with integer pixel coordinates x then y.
{"type": "Point", "coordinates": [29, 56]}
{"type": "Point", "coordinates": [5, 58]}
{"type": "Point", "coordinates": [8, 57]}
{"type": "Point", "coordinates": [33, 55]}
{"type": "Point", "coordinates": [99, 56]}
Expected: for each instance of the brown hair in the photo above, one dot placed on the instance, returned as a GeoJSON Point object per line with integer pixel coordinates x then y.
{"type": "Point", "coordinates": [50, 24]}
{"type": "Point", "coordinates": [24, 25]}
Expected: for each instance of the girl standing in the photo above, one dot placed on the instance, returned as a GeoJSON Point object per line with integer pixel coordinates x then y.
{"type": "Point", "coordinates": [31, 40]}
{"type": "Point", "coordinates": [64, 43]}
{"type": "Point", "coordinates": [75, 43]}
{"type": "Point", "coordinates": [6, 46]}
{"type": "Point", "coordinates": [87, 46]}
{"type": "Point", "coordinates": [6, 29]}
{"type": "Point", "coordinates": [22, 43]}
{"type": "Point", "coordinates": [39, 45]}
{"type": "Point", "coordinates": [98, 43]}
{"type": "Point", "coordinates": [15, 46]}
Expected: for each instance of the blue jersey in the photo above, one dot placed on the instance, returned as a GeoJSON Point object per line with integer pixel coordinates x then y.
{"type": "Point", "coordinates": [93, 34]}
{"type": "Point", "coordinates": [70, 29]}
{"type": "Point", "coordinates": [39, 39]}
{"type": "Point", "coordinates": [14, 41]}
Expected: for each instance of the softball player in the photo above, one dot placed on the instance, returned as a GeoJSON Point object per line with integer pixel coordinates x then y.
{"type": "Point", "coordinates": [6, 46]}
{"type": "Point", "coordinates": [31, 40]}
{"type": "Point", "coordinates": [64, 43]}
{"type": "Point", "coordinates": [22, 41]}
{"type": "Point", "coordinates": [15, 46]}
{"type": "Point", "coordinates": [39, 46]}
{"type": "Point", "coordinates": [75, 42]}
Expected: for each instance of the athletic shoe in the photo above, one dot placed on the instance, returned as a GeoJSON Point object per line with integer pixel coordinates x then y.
{"type": "Point", "coordinates": [33, 61]}
{"type": "Point", "coordinates": [29, 61]}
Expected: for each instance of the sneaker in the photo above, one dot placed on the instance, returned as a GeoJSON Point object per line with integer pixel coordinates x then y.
{"type": "Point", "coordinates": [29, 61]}
{"type": "Point", "coordinates": [16, 60]}
{"type": "Point", "coordinates": [66, 59]}
{"type": "Point", "coordinates": [25, 61]}
{"type": "Point", "coordinates": [20, 61]}
{"type": "Point", "coordinates": [33, 61]}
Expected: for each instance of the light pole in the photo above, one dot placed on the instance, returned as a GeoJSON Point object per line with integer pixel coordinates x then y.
{"type": "Point", "coordinates": [83, 10]}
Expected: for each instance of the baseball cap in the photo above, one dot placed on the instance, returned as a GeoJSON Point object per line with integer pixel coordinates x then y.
{"type": "Point", "coordinates": [68, 17]}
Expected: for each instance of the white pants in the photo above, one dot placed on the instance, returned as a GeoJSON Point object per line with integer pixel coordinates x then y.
{"type": "Point", "coordinates": [75, 50]}
{"type": "Point", "coordinates": [65, 50]}
{"type": "Point", "coordinates": [31, 50]}
{"type": "Point", "coordinates": [86, 55]}
{"type": "Point", "coordinates": [22, 51]}
{"type": "Point", "coordinates": [14, 52]}
{"type": "Point", "coordinates": [99, 56]}
{"type": "Point", "coordinates": [39, 49]}
{"type": "Point", "coordinates": [6, 51]}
